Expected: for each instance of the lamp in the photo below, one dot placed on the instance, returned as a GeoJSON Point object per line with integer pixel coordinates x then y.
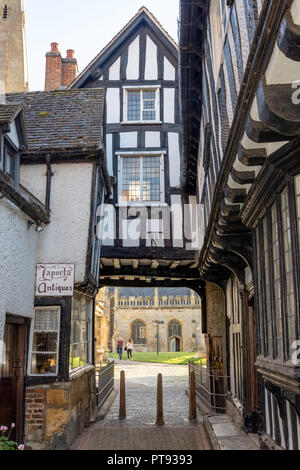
{"type": "Point", "coordinates": [39, 227]}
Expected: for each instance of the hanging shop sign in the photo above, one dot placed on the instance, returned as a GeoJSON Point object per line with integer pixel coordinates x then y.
{"type": "Point", "coordinates": [55, 280]}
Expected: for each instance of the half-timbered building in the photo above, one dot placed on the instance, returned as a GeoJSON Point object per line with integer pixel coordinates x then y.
{"type": "Point", "coordinates": [52, 145]}
{"type": "Point", "coordinates": [146, 232]}
{"type": "Point", "coordinates": [241, 116]}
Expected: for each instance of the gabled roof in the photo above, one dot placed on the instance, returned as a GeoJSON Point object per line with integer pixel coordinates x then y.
{"type": "Point", "coordinates": [60, 121]}
{"type": "Point", "coordinates": [8, 113]}
{"type": "Point", "coordinates": [142, 15]}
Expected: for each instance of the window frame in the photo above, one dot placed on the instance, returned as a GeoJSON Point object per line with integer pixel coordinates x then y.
{"type": "Point", "coordinates": [141, 155]}
{"type": "Point", "coordinates": [126, 89]}
{"type": "Point", "coordinates": [144, 325]}
{"type": "Point", "coordinates": [9, 147]}
{"type": "Point", "coordinates": [223, 21]}
{"type": "Point", "coordinates": [281, 350]}
{"type": "Point", "coordinates": [31, 352]}
{"type": "Point", "coordinates": [89, 342]}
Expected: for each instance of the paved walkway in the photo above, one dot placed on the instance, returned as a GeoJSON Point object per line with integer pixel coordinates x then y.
{"type": "Point", "coordinates": [138, 431]}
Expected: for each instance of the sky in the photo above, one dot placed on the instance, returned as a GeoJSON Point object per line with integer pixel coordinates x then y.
{"type": "Point", "coordinates": [83, 25]}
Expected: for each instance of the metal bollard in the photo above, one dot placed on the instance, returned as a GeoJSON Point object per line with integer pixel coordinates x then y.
{"type": "Point", "coordinates": [160, 411]}
{"type": "Point", "coordinates": [122, 409]}
{"type": "Point", "coordinates": [193, 407]}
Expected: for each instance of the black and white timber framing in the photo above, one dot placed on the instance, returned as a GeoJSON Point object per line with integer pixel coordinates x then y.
{"type": "Point", "coordinates": [241, 157]}
{"type": "Point", "coordinates": [142, 56]}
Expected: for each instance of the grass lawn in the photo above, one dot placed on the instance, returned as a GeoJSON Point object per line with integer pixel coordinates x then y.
{"type": "Point", "coordinates": [180, 358]}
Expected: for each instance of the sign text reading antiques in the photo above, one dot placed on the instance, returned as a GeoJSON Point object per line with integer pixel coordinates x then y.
{"type": "Point", "coordinates": [54, 280]}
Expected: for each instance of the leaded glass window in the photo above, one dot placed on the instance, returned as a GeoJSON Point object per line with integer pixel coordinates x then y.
{"type": "Point", "coordinates": [138, 332]}
{"type": "Point", "coordinates": [45, 341]}
{"type": "Point", "coordinates": [142, 105]}
{"type": "Point", "coordinates": [289, 273]}
{"type": "Point", "coordinates": [80, 348]}
{"type": "Point", "coordinates": [277, 281]}
{"type": "Point", "coordinates": [297, 189]}
{"type": "Point", "coordinates": [174, 329]}
{"type": "Point", "coordinates": [141, 179]}
{"type": "Point", "coordinates": [268, 287]}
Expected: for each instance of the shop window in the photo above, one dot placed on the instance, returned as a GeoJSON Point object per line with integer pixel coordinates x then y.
{"type": "Point", "coordinates": [44, 342]}
{"type": "Point", "coordinates": [81, 334]}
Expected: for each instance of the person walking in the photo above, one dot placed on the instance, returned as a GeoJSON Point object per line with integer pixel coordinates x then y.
{"type": "Point", "coordinates": [120, 348]}
{"type": "Point", "coordinates": [129, 348]}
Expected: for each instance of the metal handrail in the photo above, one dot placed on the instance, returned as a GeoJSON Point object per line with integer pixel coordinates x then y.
{"type": "Point", "coordinates": [106, 382]}
{"type": "Point", "coordinates": [207, 381]}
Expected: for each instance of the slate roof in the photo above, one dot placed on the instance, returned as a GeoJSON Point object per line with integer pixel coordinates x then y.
{"type": "Point", "coordinates": [62, 120]}
{"type": "Point", "coordinates": [8, 113]}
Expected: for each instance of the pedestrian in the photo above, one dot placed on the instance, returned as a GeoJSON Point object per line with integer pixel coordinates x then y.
{"type": "Point", "coordinates": [129, 348]}
{"type": "Point", "coordinates": [120, 348]}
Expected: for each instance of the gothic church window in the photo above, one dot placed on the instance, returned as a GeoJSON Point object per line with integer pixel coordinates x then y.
{"type": "Point", "coordinates": [174, 329]}
{"type": "Point", "coordinates": [138, 332]}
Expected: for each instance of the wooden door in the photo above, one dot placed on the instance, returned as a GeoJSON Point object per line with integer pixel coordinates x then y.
{"type": "Point", "coordinates": [12, 379]}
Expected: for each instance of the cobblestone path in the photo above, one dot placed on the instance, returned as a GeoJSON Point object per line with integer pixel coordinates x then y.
{"type": "Point", "coordinates": [138, 431]}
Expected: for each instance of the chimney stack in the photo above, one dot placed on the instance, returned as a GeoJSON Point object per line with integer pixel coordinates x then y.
{"type": "Point", "coordinates": [60, 71]}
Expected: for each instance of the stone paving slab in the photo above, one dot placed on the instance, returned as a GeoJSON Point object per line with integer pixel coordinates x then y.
{"type": "Point", "coordinates": [145, 438]}
{"type": "Point", "coordinates": [224, 435]}
{"type": "Point", "coordinates": [138, 431]}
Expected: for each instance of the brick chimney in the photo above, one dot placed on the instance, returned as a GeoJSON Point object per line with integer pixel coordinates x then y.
{"type": "Point", "coordinates": [60, 71]}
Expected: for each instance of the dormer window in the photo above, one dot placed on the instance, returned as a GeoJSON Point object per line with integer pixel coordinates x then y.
{"type": "Point", "coordinates": [10, 160]}
{"type": "Point", "coordinates": [141, 105]}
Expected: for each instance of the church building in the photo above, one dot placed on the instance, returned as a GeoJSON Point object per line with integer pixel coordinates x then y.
{"type": "Point", "coordinates": [136, 312]}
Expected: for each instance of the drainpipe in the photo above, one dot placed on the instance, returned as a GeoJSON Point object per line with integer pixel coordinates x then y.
{"type": "Point", "coordinates": [49, 175]}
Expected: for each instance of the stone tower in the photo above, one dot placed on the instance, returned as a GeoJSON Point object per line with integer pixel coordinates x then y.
{"type": "Point", "coordinates": [13, 59]}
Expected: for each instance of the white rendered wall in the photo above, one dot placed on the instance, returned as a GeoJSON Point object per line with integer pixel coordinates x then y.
{"type": "Point", "coordinates": [133, 70]}
{"type": "Point", "coordinates": [113, 105]}
{"type": "Point", "coordinates": [174, 159]}
{"type": "Point", "coordinates": [128, 140]}
{"type": "Point", "coordinates": [151, 67]}
{"type": "Point", "coordinates": [152, 139]}
{"type": "Point", "coordinates": [169, 70]}
{"type": "Point", "coordinates": [114, 71]}
{"type": "Point", "coordinates": [66, 239]}
{"type": "Point", "coordinates": [18, 252]}
{"type": "Point", "coordinates": [169, 105]}
{"type": "Point", "coordinates": [109, 154]}
{"type": "Point", "coordinates": [34, 178]}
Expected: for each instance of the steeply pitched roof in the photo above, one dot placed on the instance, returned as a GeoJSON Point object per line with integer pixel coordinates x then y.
{"type": "Point", "coordinates": [62, 120]}
{"type": "Point", "coordinates": [143, 13]}
{"type": "Point", "coordinates": [8, 113]}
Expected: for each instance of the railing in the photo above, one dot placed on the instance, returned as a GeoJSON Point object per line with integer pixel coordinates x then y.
{"type": "Point", "coordinates": [105, 383]}
{"type": "Point", "coordinates": [210, 387]}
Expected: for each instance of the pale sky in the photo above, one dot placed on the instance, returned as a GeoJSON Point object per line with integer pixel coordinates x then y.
{"type": "Point", "coordinates": [83, 25]}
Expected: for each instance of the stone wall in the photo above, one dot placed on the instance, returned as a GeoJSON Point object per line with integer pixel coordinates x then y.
{"type": "Point", "coordinates": [125, 317]}
{"type": "Point", "coordinates": [56, 414]}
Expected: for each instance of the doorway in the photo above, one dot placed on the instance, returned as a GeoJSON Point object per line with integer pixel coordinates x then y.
{"type": "Point", "coordinates": [12, 378]}
{"type": "Point", "coordinates": [174, 344]}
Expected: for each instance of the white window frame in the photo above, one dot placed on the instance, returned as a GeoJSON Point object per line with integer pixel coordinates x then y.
{"type": "Point", "coordinates": [218, 20]}
{"type": "Point", "coordinates": [155, 88]}
{"type": "Point", "coordinates": [32, 331]}
{"type": "Point", "coordinates": [142, 155]}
